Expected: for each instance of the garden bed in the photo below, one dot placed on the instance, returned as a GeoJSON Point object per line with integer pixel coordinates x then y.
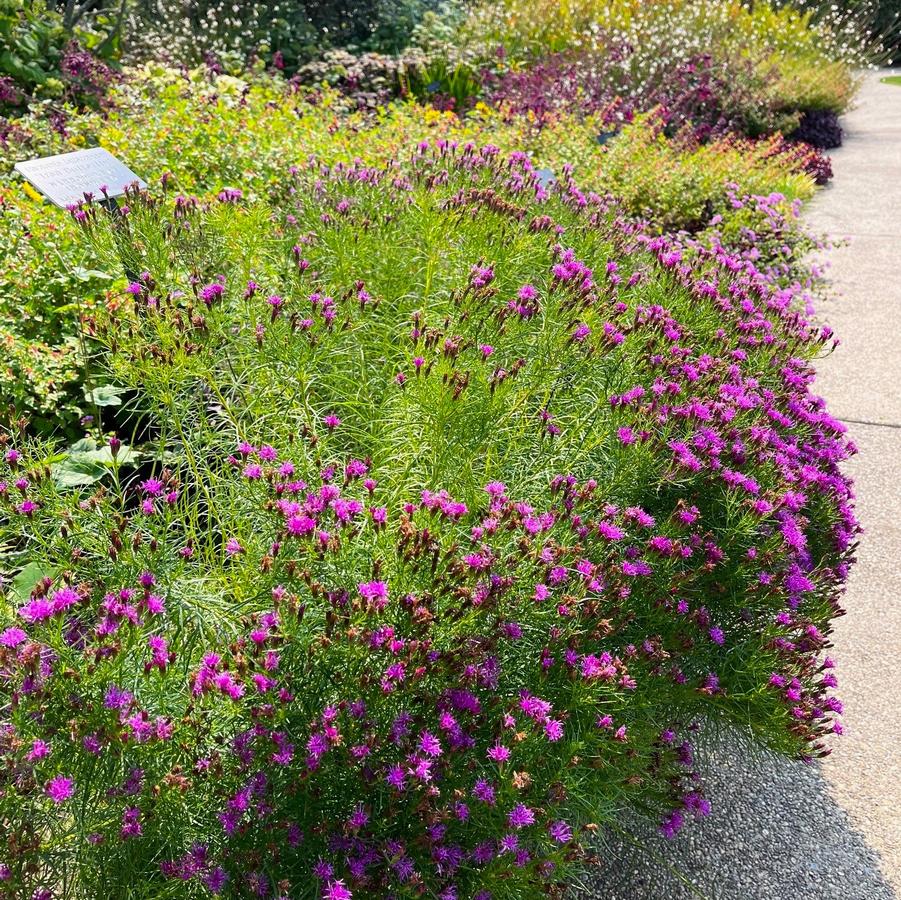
{"type": "Point", "coordinates": [447, 459]}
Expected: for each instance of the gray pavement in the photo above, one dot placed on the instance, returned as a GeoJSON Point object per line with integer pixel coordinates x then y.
{"type": "Point", "coordinates": [775, 833]}
{"type": "Point", "coordinates": [781, 830]}
{"type": "Point", "coordinates": [862, 382]}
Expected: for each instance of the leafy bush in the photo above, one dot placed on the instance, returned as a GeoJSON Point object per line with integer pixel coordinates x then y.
{"type": "Point", "coordinates": [369, 79]}
{"type": "Point", "coordinates": [820, 128]}
{"type": "Point", "coordinates": [560, 82]}
{"type": "Point", "coordinates": [41, 58]}
{"type": "Point", "coordinates": [187, 32]}
{"type": "Point", "coordinates": [681, 184]}
{"type": "Point", "coordinates": [720, 27]}
{"type": "Point", "coordinates": [38, 379]}
{"type": "Point", "coordinates": [289, 35]}
{"type": "Point", "coordinates": [698, 95]}
{"type": "Point", "coordinates": [469, 500]}
{"type": "Point", "coordinates": [167, 125]}
{"type": "Point", "coordinates": [381, 25]}
{"type": "Point", "coordinates": [46, 285]}
{"type": "Point", "coordinates": [762, 231]}
{"type": "Point", "coordinates": [881, 19]}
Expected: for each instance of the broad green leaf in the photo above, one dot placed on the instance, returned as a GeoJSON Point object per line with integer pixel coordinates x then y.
{"type": "Point", "coordinates": [77, 472]}
{"type": "Point", "coordinates": [25, 581]}
{"type": "Point", "coordinates": [84, 445]}
{"type": "Point", "coordinates": [85, 463]}
{"type": "Point", "coordinates": [83, 274]}
{"type": "Point", "coordinates": [104, 455]}
{"type": "Point", "coordinates": [105, 395]}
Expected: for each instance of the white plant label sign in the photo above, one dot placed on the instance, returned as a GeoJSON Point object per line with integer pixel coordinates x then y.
{"type": "Point", "coordinates": [66, 178]}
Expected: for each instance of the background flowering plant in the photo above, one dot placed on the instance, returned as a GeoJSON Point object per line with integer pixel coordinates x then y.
{"type": "Point", "coordinates": [170, 125]}
{"type": "Point", "coordinates": [46, 59]}
{"type": "Point", "coordinates": [717, 63]}
{"type": "Point", "coordinates": [466, 499]}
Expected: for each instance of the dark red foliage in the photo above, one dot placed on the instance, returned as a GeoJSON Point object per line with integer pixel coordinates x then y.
{"type": "Point", "coordinates": [697, 95]}
{"type": "Point", "coordinates": [819, 128]}
{"type": "Point", "coordinates": [561, 82]}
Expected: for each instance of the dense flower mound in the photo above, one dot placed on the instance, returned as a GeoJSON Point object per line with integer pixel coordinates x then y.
{"type": "Point", "coordinates": [469, 502]}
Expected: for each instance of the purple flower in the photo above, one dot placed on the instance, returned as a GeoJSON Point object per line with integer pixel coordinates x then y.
{"type": "Point", "coordinates": [481, 276]}
{"type": "Point", "coordinates": [498, 753]}
{"type": "Point", "coordinates": [37, 610]}
{"type": "Point", "coordinates": [131, 823]}
{"type": "Point", "coordinates": [39, 750]}
{"type": "Point", "coordinates": [429, 744]}
{"type": "Point", "coordinates": [116, 698]}
{"type": "Point", "coordinates": [211, 293]}
{"type": "Point", "coordinates": [484, 791]}
{"type": "Point", "coordinates": [797, 583]}
{"type": "Point", "coordinates": [336, 890]}
{"type": "Point", "coordinates": [553, 729]}
{"type": "Point", "coordinates": [153, 487]}
{"type": "Point", "coordinates": [216, 879]}
{"type": "Point", "coordinates": [358, 818]}
{"type": "Point", "coordinates": [299, 525]}
{"type": "Point", "coordinates": [396, 777]}
{"type": "Point", "coordinates": [60, 789]}
{"type": "Point", "coordinates": [12, 637]}
{"type": "Point", "coordinates": [374, 592]}
{"type": "Point", "coordinates": [520, 816]}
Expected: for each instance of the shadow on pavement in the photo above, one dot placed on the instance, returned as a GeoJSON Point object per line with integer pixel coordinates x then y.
{"type": "Point", "coordinates": [774, 833]}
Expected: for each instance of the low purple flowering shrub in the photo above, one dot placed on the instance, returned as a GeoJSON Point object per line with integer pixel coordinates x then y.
{"type": "Point", "coordinates": [560, 82]}
{"type": "Point", "coordinates": [761, 237]}
{"type": "Point", "coordinates": [467, 500]}
{"type": "Point", "coordinates": [679, 183]}
{"type": "Point", "coordinates": [368, 79]}
{"type": "Point", "coordinates": [804, 157]}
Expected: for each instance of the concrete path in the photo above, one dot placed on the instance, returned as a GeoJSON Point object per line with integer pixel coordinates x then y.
{"type": "Point", "coordinates": [862, 383]}
{"type": "Point", "coordinates": [831, 831]}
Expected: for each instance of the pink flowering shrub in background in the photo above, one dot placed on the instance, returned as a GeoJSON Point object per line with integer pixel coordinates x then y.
{"type": "Point", "coordinates": [465, 502]}
{"type": "Point", "coordinates": [693, 95]}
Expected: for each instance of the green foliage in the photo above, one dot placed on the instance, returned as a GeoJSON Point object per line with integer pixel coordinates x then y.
{"type": "Point", "coordinates": [289, 34]}
{"type": "Point", "coordinates": [783, 58]}
{"type": "Point", "coordinates": [39, 379]}
{"type": "Point", "coordinates": [362, 356]}
{"type": "Point", "coordinates": [680, 185]}
{"type": "Point", "coordinates": [84, 463]}
{"type": "Point", "coordinates": [32, 40]}
{"type": "Point", "coordinates": [46, 286]}
{"type": "Point", "coordinates": [34, 48]}
{"type": "Point", "coordinates": [880, 19]}
{"type": "Point", "coordinates": [453, 84]}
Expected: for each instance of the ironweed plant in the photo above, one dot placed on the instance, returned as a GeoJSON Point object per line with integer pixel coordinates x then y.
{"type": "Point", "coordinates": [169, 127]}
{"type": "Point", "coordinates": [469, 501]}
